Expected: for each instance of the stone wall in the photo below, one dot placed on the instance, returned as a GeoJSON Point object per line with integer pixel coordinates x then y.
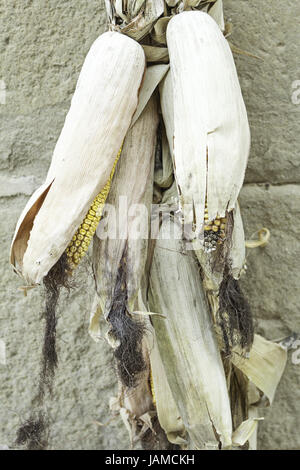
{"type": "Point", "coordinates": [42, 48]}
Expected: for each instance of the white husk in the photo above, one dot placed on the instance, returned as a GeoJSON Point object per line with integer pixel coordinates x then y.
{"type": "Point", "coordinates": [209, 117]}
{"type": "Point", "coordinates": [237, 250]}
{"type": "Point", "coordinates": [102, 107]}
{"type": "Point", "coordinates": [187, 344]}
{"type": "Point", "coordinates": [132, 185]}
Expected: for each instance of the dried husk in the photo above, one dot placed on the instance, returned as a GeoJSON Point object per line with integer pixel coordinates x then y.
{"type": "Point", "coordinates": [102, 107]}
{"type": "Point", "coordinates": [167, 108]}
{"type": "Point", "coordinates": [133, 183]}
{"type": "Point", "coordinates": [216, 12]}
{"type": "Point", "coordinates": [211, 131]}
{"type": "Point", "coordinates": [156, 54]}
{"type": "Point", "coordinates": [135, 405]}
{"type": "Point", "coordinates": [153, 75]}
{"type": "Point", "coordinates": [133, 18]}
{"type": "Point", "coordinates": [149, 412]}
{"type": "Point", "coordinates": [146, 21]}
{"type": "Point", "coordinates": [264, 367]}
{"type": "Point", "coordinates": [165, 402]}
{"type": "Point", "coordinates": [163, 176]}
{"type": "Point", "coordinates": [187, 343]}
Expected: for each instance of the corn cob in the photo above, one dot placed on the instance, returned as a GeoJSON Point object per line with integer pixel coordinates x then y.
{"type": "Point", "coordinates": [210, 118]}
{"type": "Point", "coordinates": [100, 115]}
{"type": "Point", "coordinates": [84, 234]}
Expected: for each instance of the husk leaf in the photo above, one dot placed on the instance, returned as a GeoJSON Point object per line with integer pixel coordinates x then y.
{"type": "Point", "coordinates": [211, 131]}
{"type": "Point", "coordinates": [265, 365]}
{"type": "Point", "coordinates": [132, 186]}
{"type": "Point", "coordinates": [187, 344]}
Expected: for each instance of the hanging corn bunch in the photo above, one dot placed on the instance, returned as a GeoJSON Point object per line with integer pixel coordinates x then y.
{"type": "Point", "coordinates": [176, 134]}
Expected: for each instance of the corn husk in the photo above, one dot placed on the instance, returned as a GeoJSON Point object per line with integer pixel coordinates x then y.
{"type": "Point", "coordinates": [134, 18]}
{"type": "Point", "coordinates": [216, 12]}
{"type": "Point", "coordinates": [187, 345]}
{"type": "Point", "coordinates": [163, 175]}
{"type": "Point", "coordinates": [245, 431]}
{"type": "Point", "coordinates": [166, 407]}
{"type": "Point", "coordinates": [264, 367]}
{"type": "Point", "coordinates": [153, 76]}
{"type": "Point", "coordinates": [132, 185]}
{"type": "Point", "coordinates": [211, 131]}
{"type": "Point", "coordinates": [156, 54]}
{"type": "Point", "coordinates": [167, 108]}
{"type": "Point", "coordinates": [103, 104]}
{"type": "Point", "coordinates": [146, 21]}
{"type": "Point", "coordinates": [135, 405]}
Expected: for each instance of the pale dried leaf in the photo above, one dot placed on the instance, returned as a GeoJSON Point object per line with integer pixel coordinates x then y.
{"type": "Point", "coordinates": [167, 411]}
{"type": "Point", "coordinates": [265, 365]}
{"type": "Point", "coordinates": [153, 76]}
{"type": "Point", "coordinates": [156, 54]}
{"type": "Point", "coordinates": [216, 12]}
{"type": "Point", "coordinates": [245, 430]}
{"type": "Point", "coordinates": [187, 343]}
{"type": "Point", "coordinates": [129, 200]}
{"type": "Point", "coordinates": [210, 118]}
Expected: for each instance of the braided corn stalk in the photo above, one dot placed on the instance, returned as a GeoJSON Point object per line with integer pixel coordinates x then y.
{"type": "Point", "coordinates": [190, 371]}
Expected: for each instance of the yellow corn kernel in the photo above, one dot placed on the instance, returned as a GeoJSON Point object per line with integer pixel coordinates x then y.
{"type": "Point", "coordinates": [152, 388]}
{"type": "Point", "coordinates": [82, 238]}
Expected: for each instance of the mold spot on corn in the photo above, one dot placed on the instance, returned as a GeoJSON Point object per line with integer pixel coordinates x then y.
{"type": "Point", "coordinates": [85, 232]}
{"type": "Point", "coordinates": [214, 231]}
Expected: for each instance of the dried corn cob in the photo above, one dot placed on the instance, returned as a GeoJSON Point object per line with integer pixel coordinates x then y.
{"type": "Point", "coordinates": [211, 131]}
{"type": "Point", "coordinates": [100, 115]}
{"type": "Point", "coordinates": [84, 234]}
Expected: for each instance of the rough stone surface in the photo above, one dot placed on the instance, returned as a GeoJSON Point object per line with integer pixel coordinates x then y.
{"type": "Point", "coordinates": [269, 30]}
{"type": "Point", "coordinates": [272, 287]}
{"type": "Point", "coordinates": [42, 47]}
{"type": "Point", "coordinates": [12, 186]}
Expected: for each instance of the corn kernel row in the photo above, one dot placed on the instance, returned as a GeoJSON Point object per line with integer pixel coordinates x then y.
{"type": "Point", "coordinates": [84, 234]}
